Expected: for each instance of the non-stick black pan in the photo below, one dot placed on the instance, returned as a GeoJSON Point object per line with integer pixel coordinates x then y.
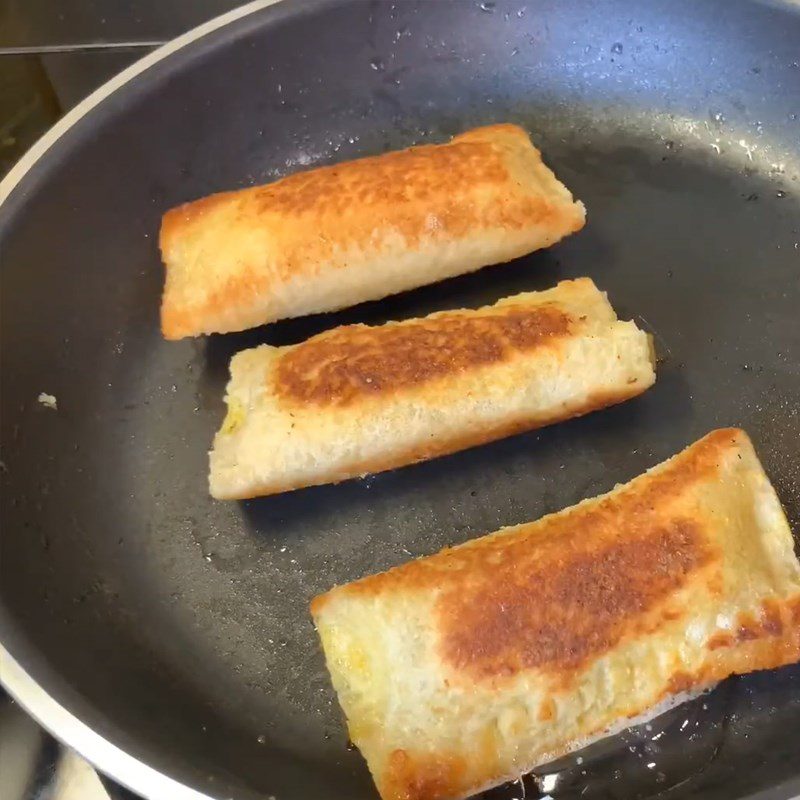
{"type": "Point", "coordinates": [176, 628]}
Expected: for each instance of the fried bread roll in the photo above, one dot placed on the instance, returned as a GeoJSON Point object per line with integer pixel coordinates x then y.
{"type": "Point", "coordinates": [463, 670]}
{"type": "Point", "coordinates": [361, 399]}
{"type": "Point", "coordinates": [336, 236]}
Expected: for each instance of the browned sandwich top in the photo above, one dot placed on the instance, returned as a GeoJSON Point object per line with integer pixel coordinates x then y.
{"type": "Point", "coordinates": [347, 363]}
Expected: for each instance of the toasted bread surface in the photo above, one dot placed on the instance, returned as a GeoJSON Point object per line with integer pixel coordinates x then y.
{"type": "Point", "coordinates": [467, 668]}
{"type": "Point", "coordinates": [361, 399]}
{"type": "Point", "coordinates": [339, 235]}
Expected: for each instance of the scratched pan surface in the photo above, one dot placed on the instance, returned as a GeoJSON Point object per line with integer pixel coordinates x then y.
{"type": "Point", "coordinates": [177, 626]}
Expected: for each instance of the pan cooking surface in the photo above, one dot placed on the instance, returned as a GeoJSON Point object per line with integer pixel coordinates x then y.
{"type": "Point", "coordinates": [177, 626]}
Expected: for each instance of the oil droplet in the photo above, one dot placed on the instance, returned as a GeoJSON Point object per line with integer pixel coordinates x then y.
{"type": "Point", "coordinates": [377, 65]}
{"type": "Point", "coordinates": [262, 739]}
{"type": "Point", "coordinates": [780, 194]}
{"type": "Point", "coordinates": [547, 783]}
{"type": "Point", "coordinates": [616, 48]}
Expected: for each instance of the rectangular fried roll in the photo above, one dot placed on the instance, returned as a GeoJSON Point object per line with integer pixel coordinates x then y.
{"type": "Point", "coordinates": [463, 670]}
{"type": "Point", "coordinates": [361, 399]}
{"type": "Point", "coordinates": [336, 236]}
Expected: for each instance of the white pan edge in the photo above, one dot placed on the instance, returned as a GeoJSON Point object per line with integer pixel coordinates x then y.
{"type": "Point", "coordinates": [23, 166]}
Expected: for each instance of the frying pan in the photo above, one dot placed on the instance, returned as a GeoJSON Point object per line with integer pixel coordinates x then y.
{"type": "Point", "coordinates": [166, 636]}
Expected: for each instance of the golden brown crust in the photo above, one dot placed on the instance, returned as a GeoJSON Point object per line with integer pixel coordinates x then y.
{"type": "Point", "coordinates": [445, 446]}
{"type": "Point", "coordinates": [568, 601]}
{"type": "Point", "coordinates": [394, 179]}
{"type": "Point", "coordinates": [541, 637]}
{"type": "Point", "coordinates": [228, 253]}
{"type": "Point", "coordinates": [390, 180]}
{"type": "Point", "coordinates": [178, 320]}
{"type": "Point", "coordinates": [750, 628]}
{"type": "Point", "coordinates": [424, 777]}
{"type": "Point", "coordinates": [349, 363]}
{"type": "Point", "coordinates": [408, 778]}
{"type": "Point", "coordinates": [176, 219]}
{"type": "Point", "coordinates": [680, 682]}
{"type": "Point", "coordinates": [547, 710]}
{"type": "Point", "coordinates": [770, 641]}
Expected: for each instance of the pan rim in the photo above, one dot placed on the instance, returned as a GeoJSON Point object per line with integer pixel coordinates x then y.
{"type": "Point", "coordinates": [107, 757]}
{"type": "Point", "coordinates": [51, 136]}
